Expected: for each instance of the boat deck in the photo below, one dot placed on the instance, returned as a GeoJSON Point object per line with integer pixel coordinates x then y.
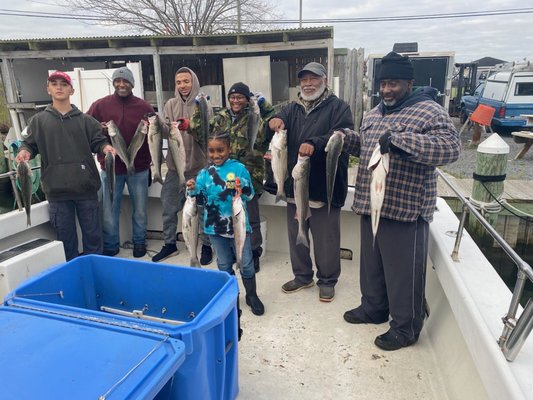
{"type": "Point", "coordinates": [302, 348]}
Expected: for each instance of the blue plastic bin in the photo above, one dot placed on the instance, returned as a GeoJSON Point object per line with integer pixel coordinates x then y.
{"type": "Point", "coordinates": [196, 306]}
{"type": "Point", "coordinates": [49, 357]}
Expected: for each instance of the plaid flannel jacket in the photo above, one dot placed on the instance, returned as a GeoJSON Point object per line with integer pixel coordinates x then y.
{"type": "Point", "coordinates": [426, 137]}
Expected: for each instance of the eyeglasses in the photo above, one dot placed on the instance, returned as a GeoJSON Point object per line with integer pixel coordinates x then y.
{"type": "Point", "coordinates": [234, 97]}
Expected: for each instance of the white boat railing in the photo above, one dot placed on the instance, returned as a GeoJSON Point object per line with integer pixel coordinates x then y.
{"type": "Point", "coordinates": [515, 331]}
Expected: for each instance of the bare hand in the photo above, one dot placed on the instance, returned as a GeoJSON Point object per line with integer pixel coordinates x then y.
{"type": "Point", "coordinates": [276, 124]}
{"type": "Point", "coordinates": [108, 148]}
{"type": "Point", "coordinates": [268, 156]}
{"type": "Point", "coordinates": [306, 150]}
{"type": "Point", "coordinates": [23, 155]}
{"type": "Point", "coordinates": [103, 125]}
{"type": "Point", "coordinates": [191, 184]}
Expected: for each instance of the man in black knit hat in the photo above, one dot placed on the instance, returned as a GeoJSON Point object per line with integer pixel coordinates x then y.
{"type": "Point", "coordinates": [418, 135]}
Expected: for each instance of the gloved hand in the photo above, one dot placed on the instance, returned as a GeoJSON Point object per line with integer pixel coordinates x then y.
{"type": "Point", "coordinates": [384, 142]}
{"type": "Point", "coordinates": [183, 124]}
{"type": "Point", "coordinates": [259, 98]}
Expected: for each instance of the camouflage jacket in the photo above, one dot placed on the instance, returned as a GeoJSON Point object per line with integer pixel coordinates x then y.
{"type": "Point", "coordinates": [224, 121]}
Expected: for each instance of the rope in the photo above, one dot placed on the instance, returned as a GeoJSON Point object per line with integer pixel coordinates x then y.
{"type": "Point", "coordinates": [498, 204]}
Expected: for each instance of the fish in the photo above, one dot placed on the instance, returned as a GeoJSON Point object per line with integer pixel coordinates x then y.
{"type": "Point", "coordinates": [118, 142]}
{"type": "Point", "coordinates": [300, 174]}
{"type": "Point", "coordinates": [24, 174]}
{"type": "Point", "coordinates": [379, 165]}
{"type": "Point", "coordinates": [155, 145]}
{"type": "Point", "coordinates": [239, 223]}
{"type": "Point", "coordinates": [176, 148]}
{"type": "Point", "coordinates": [189, 229]}
{"type": "Point", "coordinates": [205, 114]}
{"type": "Point", "coordinates": [136, 143]}
{"type": "Point", "coordinates": [254, 117]}
{"type": "Point", "coordinates": [334, 149]}
{"type": "Point", "coordinates": [110, 174]}
{"type": "Point", "coordinates": [278, 150]}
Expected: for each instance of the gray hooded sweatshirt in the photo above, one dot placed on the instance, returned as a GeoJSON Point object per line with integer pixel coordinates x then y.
{"type": "Point", "coordinates": [178, 107]}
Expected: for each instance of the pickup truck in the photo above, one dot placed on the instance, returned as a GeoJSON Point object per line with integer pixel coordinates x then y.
{"type": "Point", "coordinates": [510, 93]}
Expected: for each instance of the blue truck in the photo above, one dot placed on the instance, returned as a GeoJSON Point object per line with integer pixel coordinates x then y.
{"type": "Point", "coordinates": [510, 93]}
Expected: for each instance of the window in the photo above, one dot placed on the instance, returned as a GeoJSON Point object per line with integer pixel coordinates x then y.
{"type": "Point", "coordinates": [523, 89]}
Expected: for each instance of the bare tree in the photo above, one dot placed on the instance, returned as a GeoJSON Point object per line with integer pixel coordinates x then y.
{"type": "Point", "coordinates": [175, 17]}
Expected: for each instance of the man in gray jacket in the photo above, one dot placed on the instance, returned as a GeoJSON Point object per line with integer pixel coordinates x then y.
{"type": "Point", "coordinates": [418, 135]}
{"type": "Point", "coordinates": [181, 106]}
{"type": "Point", "coordinates": [66, 138]}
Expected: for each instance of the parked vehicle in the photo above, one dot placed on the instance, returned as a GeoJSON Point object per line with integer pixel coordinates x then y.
{"type": "Point", "coordinates": [509, 92]}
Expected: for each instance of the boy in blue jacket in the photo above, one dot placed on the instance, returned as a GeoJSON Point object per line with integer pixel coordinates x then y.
{"type": "Point", "coordinates": [217, 184]}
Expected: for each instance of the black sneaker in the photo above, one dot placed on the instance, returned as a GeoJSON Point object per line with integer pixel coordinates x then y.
{"type": "Point", "coordinates": [139, 250]}
{"type": "Point", "coordinates": [110, 252]}
{"type": "Point", "coordinates": [167, 251]}
{"type": "Point", "coordinates": [391, 342]}
{"type": "Point", "coordinates": [207, 255]}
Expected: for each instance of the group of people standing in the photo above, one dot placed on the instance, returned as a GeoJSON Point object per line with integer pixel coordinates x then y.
{"type": "Point", "coordinates": [408, 125]}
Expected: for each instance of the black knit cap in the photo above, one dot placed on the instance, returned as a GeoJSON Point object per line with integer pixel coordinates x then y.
{"type": "Point", "coordinates": [396, 66]}
{"type": "Point", "coordinates": [240, 88]}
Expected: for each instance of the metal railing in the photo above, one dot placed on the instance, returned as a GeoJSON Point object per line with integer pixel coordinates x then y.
{"type": "Point", "coordinates": [515, 331]}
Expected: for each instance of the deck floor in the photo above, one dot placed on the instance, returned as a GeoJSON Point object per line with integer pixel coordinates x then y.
{"type": "Point", "coordinates": [302, 348]}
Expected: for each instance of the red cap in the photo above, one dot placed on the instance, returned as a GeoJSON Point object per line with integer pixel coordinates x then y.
{"type": "Point", "coordinates": [60, 75]}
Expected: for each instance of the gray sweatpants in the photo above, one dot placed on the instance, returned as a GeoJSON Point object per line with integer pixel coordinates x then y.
{"type": "Point", "coordinates": [325, 229]}
{"type": "Point", "coordinates": [393, 273]}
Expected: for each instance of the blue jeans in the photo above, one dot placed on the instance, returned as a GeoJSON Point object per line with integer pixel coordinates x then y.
{"type": "Point", "coordinates": [138, 192]}
{"type": "Point", "coordinates": [225, 248]}
{"type": "Point", "coordinates": [63, 220]}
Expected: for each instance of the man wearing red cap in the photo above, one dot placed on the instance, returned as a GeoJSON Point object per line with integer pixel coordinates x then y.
{"type": "Point", "coordinates": [418, 135]}
{"type": "Point", "coordinates": [66, 138]}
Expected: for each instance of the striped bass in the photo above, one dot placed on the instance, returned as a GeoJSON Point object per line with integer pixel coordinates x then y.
{"type": "Point", "coordinates": [379, 165]}
{"type": "Point", "coordinates": [278, 150]}
{"type": "Point", "coordinates": [239, 223]}
{"type": "Point", "coordinates": [136, 143]}
{"type": "Point", "coordinates": [24, 174]}
{"type": "Point", "coordinates": [118, 142]}
{"type": "Point", "coordinates": [205, 115]}
{"type": "Point", "coordinates": [176, 147]}
{"type": "Point", "coordinates": [300, 174]}
{"type": "Point", "coordinates": [334, 149]}
{"type": "Point", "coordinates": [189, 228]}
{"type": "Point", "coordinates": [254, 117]}
{"type": "Point", "coordinates": [110, 174]}
{"type": "Point", "coordinates": [155, 145]}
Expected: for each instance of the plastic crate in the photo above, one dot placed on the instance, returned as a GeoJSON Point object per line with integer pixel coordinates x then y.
{"type": "Point", "coordinates": [196, 306]}
{"type": "Point", "coordinates": [51, 357]}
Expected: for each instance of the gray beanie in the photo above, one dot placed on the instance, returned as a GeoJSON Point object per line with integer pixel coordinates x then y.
{"type": "Point", "coordinates": [124, 73]}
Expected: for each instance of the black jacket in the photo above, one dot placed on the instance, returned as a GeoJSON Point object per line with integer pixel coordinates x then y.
{"type": "Point", "coordinates": [315, 128]}
{"type": "Point", "coordinates": [66, 143]}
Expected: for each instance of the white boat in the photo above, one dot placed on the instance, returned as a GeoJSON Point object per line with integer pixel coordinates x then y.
{"type": "Point", "coordinates": [302, 348]}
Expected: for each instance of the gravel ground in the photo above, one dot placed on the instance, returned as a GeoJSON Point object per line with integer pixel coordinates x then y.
{"type": "Point", "coordinates": [464, 166]}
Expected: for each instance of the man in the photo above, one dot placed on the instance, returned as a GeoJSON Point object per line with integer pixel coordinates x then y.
{"type": "Point", "coordinates": [309, 123]}
{"type": "Point", "coordinates": [234, 120]}
{"type": "Point", "coordinates": [173, 192]}
{"type": "Point", "coordinates": [66, 139]}
{"type": "Point", "coordinates": [126, 110]}
{"type": "Point", "coordinates": [418, 135]}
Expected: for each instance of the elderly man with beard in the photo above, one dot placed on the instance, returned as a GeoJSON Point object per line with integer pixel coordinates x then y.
{"type": "Point", "coordinates": [309, 123]}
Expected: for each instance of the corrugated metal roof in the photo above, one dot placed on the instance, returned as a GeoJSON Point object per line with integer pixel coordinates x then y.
{"type": "Point", "coordinates": [286, 35]}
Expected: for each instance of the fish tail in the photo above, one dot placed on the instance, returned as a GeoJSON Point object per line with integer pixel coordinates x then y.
{"type": "Point", "coordinates": [28, 220]}
{"type": "Point", "coordinates": [195, 263]}
{"type": "Point", "coordinates": [302, 239]}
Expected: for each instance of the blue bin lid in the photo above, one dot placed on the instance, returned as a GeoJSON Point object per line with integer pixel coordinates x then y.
{"type": "Point", "coordinates": [50, 357]}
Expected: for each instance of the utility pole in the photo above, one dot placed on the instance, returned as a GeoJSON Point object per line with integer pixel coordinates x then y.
{"type": "Point", "coordinates": [301, 13]}
{"type": "Point", "coordinates": [239, 16]}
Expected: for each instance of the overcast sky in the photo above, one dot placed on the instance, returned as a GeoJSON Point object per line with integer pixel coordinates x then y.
{"type": "Point", "coordinates": [507, 37]}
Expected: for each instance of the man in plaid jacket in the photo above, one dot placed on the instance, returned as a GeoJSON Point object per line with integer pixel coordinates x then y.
{"type": "Point", "coordinates": [418, 135]}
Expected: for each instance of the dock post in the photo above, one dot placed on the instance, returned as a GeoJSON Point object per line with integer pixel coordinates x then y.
{"type": "Point", "coordinates": [489, 176]}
